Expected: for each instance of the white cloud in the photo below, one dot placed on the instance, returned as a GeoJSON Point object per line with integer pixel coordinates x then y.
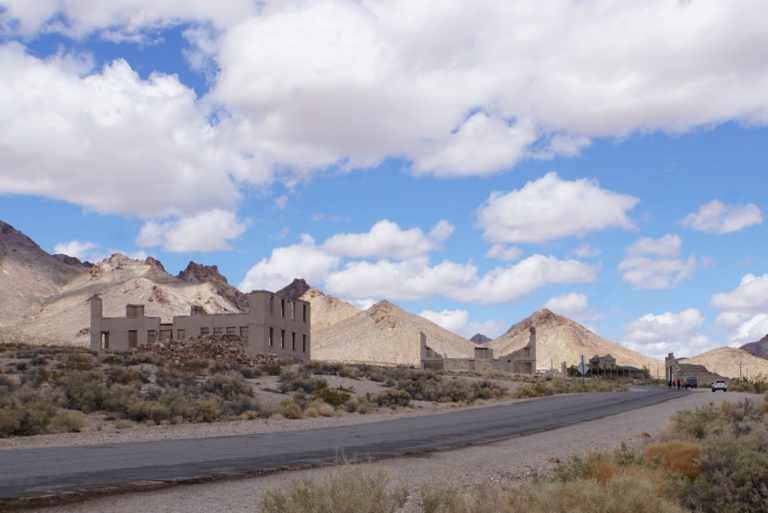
{"type": "Point", "coordinates": [716, 217]}
{"type": "Point", "coordinates": [550, 208]}
{"type": "Point", "coordinates": [586, 251]}
{"type": "Point", "coordinates": [750, 296]}
{"type": "Point", "coordinates": [303, 260]}
{"type": "Point", "coordinates": [75, 248]}
{"type": "Point", "coordinates": [659, 334]}
{"type": "Point", "coordinates": [207, 231]}
{"type": "Point", "coordinates": [443, 98]}
{"type": "Point", "coordinates": [387, 240]}
{"type": "Point", "coordinates": [281, 202]}
{"type": "Point", "coordinates": [118, 18]}
{"type": "Point", "coordinates": [743, 310]}
{"type": "Point", "coordinates": [482, 145]}
{"type": "Point", "coordinates": [574, 305]}
{"type": "Point", "coordinates": [656, 263]}
{"type": "Point", "coordinates": [502, 252]}
{"type": "Point", "coordinates": [406, 281]}
{"type": "Point", "coordinates": [508, 284]}
{"type": "Point", "coordinates": [458, 321]}
{"type": "Point", "coordinates": [110, 141]}
{"type": "Point", "coordinates": [452, 320]}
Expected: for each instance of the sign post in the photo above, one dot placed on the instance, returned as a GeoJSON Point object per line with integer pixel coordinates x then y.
{"type": "Point", "coordinates": [583, 370]}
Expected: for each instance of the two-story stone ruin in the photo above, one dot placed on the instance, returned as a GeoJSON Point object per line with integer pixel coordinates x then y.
{"type": "Point", "coordinates": [273, 325]}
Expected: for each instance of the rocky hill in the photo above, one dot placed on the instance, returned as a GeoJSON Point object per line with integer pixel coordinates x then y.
{"type": "Point", "coordinates": [559, 339]}
{"type": "Point", "coordinates": [479, 338]}
{"type": "Point", "coordinates": [759, 348]}
{"type": "Point", "coordinates": [326, 310]}
{"type": "Point", "coordinates": [297, 288]}
{"type": "Point", "coordinates": [29, 275]}
{"type": "Point", "coordinates": [726, 360]}
{"type": "Point", "coordinates": [385, 334]}
{"type": "Point", "coordinates": [198, 273]}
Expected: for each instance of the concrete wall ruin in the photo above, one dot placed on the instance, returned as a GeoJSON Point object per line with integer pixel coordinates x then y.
{"type": "Point", "coordinates": [273, 325]}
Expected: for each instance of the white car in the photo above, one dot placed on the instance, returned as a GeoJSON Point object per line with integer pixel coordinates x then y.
{"type": "Point", "coordinates": [719, 384]}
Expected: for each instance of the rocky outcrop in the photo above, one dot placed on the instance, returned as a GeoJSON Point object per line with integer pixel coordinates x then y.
{"type": "Point", "coordinates": [479, 338]}
{"type": "Point", "coordinates": [559, 339]}
{"type": "Point", "coordinates": [70, 260]}
{"type": "Point", "coordinates": [297, 288]}
{"type": "Point", "coordinates": [326, 309]}
{"type": "Point", "coordinates": [199, 273]}
{"type": "Point", "coordinates": [759, 348]}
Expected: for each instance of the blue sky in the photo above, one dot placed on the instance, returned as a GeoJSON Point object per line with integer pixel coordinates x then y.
{"type": "Point", "coordinates": [605, 161]}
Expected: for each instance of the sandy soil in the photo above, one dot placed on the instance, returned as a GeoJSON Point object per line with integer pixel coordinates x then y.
{"type": "Point", "coordinates": [508, 463]}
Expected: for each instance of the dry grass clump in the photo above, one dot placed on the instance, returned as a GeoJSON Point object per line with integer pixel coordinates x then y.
{"type": "Point", "coordinates": [542, 387]}
{"type": "Point", "coordinates": [617, 494]}
{"type": "Point", "coordinates": [678, 456]}
{"type": "Point", "coordinates": [343, 492]}
{"type": "Point", "coordinates": [754, 385]}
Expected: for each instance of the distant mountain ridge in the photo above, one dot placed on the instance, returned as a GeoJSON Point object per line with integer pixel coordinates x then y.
{"type": "Point", "coordinates": [759, 348]}
{"type": "Point", "coordinates": [479, 338]}
{"type": "Point", "coordinates": [731, 362]}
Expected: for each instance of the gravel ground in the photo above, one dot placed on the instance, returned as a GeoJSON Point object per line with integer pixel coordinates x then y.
{"type": "Point", "coordinates": [507, 463]}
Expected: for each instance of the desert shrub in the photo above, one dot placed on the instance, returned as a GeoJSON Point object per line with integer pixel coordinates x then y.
{"type": "Point", "coordinates": [365, 407]}
{"type": "Point", "coordinates": [756, 385]}
{"type": "Point", "coordinates": [290, 410]}
{"type": "Point", "coordinates": [249, 372]}
{"type": "Point", "coordinates": [348, 371]}
{"type": "Point", "coordinates": [84, 391]}
{"type": "Point", "coordinates": [311, 412]}
{"type": "Point", "coordinates": [321, 368]}
{"type": "Point", "coordinates": [392, 398]}
{"type": "Point", "coordinates": [140, 357]}
{"type": "Point", "coordinates": [527, 390]}
{"type": "Point", "coordinates": [38, 361]}
{"type": "Point", "coordinates": [200, 365]}
{"type": "Point", "coordinates": [65, 421]}
{"type": "Point", "coordinates": [326, 410]}
{"type": "Point", "coordinates": [242, 404]}
{"type": "Point", "coordinates": [333, 397]}
{"type": "Point", "coordinates": [227, 386]}
{"type": "Point", "coordinates": [79, 361]}
{"type": "Point", "coordinates": [676, 456]}
{"type": "Point", "coordinates": [274, 367]}
{"type": "Point", "coordinates": [343, 492]}
{"type": "Point", "coordinates": [9, 422]}
{"type": "Point", "coordinates": [290, 381]}
{"type": "Point", "coordinates": [140, 411]}
{"type": "Point", "coordinates": [126, 376]}
{"type": "Point", "coordinates": [207, 410]}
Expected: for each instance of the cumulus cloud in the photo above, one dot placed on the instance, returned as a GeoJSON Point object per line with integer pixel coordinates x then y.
{"type": "Point", "coordinates": [508, 284]}
{"type": "Point", "coordinates": [75, 248]}
{"type": "Point", "coordinates": [743, 310]}
{"type": "Point", "coordinates": [406, 281]}
{"type": "Point", "coordinates": [303, 260]}
{"type": "Point", "coordinates": [551, 208]}
{"type": "Point", "coordinates": [717, 217]}
{"type": "Point", "coordinates": [656, 263]}
{"type": "Point", "coordinates": [458, 321]}
{"type": "Point", "coordinates": [207, 231]}
{"type": "Point", "coordinates": [443, 99]}
{"type": "Point", "coordinates": [659, 334]}
{"type": "Point", "coordinates": [574, 305]}
{"type": "Point", "coordinates": [387, 240]}
{"type": "Point", "coordinates": [502, 252]}
{"type": "Point", "coordinates": [110, 141]}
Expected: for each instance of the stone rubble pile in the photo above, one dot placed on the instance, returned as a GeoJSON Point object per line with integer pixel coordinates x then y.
{"type": "Point", "coordinates": [221, 348]}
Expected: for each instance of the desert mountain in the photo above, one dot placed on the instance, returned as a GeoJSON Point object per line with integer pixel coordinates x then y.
{"type": "Point", "coordinates": [326, 310]}
{"type": "Point", "coordinates": [479, 338]}
{"type": "Point", "coordinates": [385, 334]}
{"type": "Point", "coordinates": [559, 339]}
{"type": "Point", "coordinates": [29, 275]}
{"type": "Point", "coordinates": [65, 315]}
{"type": "Point", "coordinates": [198, 273]}
{"type": "Point", "coordinates": [725, 361]}
{"type": "Point", "coordinates": [297, 288]}
{"type": "Point", "coordinates": [759, 348]}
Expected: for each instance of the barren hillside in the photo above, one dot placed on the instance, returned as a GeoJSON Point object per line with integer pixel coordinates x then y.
{"type": "Point", "coordinates": [759, 348]}
{"type": "Point", "coordinates": [29, 275]}
{"type": "Point", "coordinates": [385, 334]}
{"type": "Point", "coordinates": [559, 339]}
{"type": "Point", "coordinates": [725, 361]}
{"type": "Point", "coordinates": [327, 310]}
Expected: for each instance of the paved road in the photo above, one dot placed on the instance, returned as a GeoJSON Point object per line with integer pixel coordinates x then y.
{"type": "Point", "coordinates": [38, 472]}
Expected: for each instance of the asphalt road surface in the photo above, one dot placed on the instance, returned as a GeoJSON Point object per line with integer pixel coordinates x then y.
{"type": "Point", "coordinates": [26, 473]}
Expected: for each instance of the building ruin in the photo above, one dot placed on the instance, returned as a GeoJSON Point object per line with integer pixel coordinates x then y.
{"type": "Point", "coordinates": [273, 325]}
{"type": "Point", "coordinates": [522, 361]}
